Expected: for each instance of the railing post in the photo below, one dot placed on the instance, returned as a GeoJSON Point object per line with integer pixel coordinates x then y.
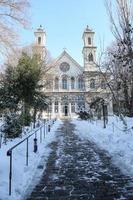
{"type": "Point", "coordinates": [44, 129]}
{"type": "Point", "coordinates": [27, 151]}
{"type": "Point", "coordinates": [49, 128]}
{"type": "Point", "coordinates": [35, 145]}
{"type": "Point", "coordinates": [0, 140]}
{"type": "Point", "coordinates": [40, 134]}
{"type": "Point", "coordinates": [9, 153]}
{"type": "Point", "coordinates": [5, 138]}
{"type": "Point", "coordinates": [31, 126]}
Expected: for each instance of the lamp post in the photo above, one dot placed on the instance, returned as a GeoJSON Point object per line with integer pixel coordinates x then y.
{"type": "Point", "coordinates": [104, 115]}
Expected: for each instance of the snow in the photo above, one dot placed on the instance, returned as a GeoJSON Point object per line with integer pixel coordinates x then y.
{"type": "Point", "coordinates": [23, 176]}
{"type": "Point", "coordinates": [114, 139]}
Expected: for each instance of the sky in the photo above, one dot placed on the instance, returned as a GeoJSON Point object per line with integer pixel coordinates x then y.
{"type": "Point", "coordinates": [64, 22]}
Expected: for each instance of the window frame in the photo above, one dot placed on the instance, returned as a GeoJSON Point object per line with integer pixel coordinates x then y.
{"type": "Point", "coordinates": [64, 83]}
{"type": "Point", "coordinates": [89, 40]}
{"type": "Point", "coordinates": [80, 83]}
{"type": "Point", "coordinates": [90, 57]}
{"type": "Point", "coordinates": [72, 83]}
{"type": "Point", "coordinates": [56, 86]}
{"type": "Point", "coordinates": [92, 83]}
{"type": "Point", "coordinates": [39, 40]}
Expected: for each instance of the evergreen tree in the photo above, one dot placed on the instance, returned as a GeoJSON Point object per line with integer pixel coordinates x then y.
{"type": "Point", "coordinates": [20, 91]}
{"type": "Point", "coordinates": [8, 92]}
{"type": "Point", "coordinates": [39, 103]}
{"type": "Point", "coordinates": [12, 126]}
{"type": "Point", "coordinates": [28, 76]}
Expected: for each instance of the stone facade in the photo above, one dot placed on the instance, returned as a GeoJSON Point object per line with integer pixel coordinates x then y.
{"type": "Point", "coordinates": [69, 86]}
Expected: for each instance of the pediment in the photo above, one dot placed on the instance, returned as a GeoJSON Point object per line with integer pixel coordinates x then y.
{"type": "Point", "coordinates": [65, 64]}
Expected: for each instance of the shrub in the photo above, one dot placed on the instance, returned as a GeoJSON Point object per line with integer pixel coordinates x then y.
{"type": "Point", "coordinates": [12, 126]}
{"type": "Point", "coordinates": [84, 115]}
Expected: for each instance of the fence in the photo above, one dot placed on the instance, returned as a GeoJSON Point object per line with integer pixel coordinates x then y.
{"type": "Point", "coordinates": [42, 130]}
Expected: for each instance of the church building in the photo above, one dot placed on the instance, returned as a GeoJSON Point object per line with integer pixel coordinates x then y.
{"type": "Point", "coordinates": [70, 86]}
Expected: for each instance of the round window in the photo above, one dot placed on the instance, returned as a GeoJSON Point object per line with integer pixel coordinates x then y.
{"type": "Point", "coordinates": [64, 67]}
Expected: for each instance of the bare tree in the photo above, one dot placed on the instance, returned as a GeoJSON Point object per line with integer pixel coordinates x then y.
{"type": "Point", "coordinates": [13, 13]}
{"type": "Point", "coordinates": [121, 16]}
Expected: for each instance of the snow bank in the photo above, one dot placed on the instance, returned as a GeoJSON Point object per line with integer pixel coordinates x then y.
{"type": "Point", "coordinates": [117, 142]}
{"type": "Point", "coordinates": [22, 174]}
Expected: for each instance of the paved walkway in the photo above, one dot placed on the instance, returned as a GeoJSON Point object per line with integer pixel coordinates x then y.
{"type": "Point", "coordinates": [78, 170]}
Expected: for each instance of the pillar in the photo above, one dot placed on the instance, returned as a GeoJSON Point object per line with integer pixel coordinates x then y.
{"type": "Point", "coordinates": [53, 109]}
{"type": "Point", "coordinates": [53, 84]}
{"type": "Point", "coordinates": [59, 108]}
{"type": "Point", "coordinates": [69, 109]}
{"type": "Point", "coordinates": [69, 83]}
{"type": "Point", "coordinates": [60, 84]}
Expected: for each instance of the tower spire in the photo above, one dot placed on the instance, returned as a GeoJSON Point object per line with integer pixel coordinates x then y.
{"type": "Point", "coordinates": [40, 41]}
{"type": "Point", "coordinates": [89, 50]}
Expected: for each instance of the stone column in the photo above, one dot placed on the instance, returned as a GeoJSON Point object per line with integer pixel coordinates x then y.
{"type": "Point", "coordinates": [86, 84]}
{"type": "Point", "coordinates": [69, 83]}
{"type": "Point", "coordinates": [60, 86]}
{"type": "Point", "coordinates": [53, 109]}
{"type": "Point", "coordinates": [76, 107]}
{"type": "Point", "coordinates": [53, 85]}
{"type": "Point", "coordinates": [59, 109]}
{"type": "Point", "coordinates": [69, 109]}
{"type": "Point", "coordinates": [76, 83]}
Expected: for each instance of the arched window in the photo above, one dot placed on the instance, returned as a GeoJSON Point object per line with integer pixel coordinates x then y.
{"type": "Point", "coordinates": [92, 83]}
{"type": "Point", "coordinates": [72, 83]}
{"type": "Point", "coordinates": [80, 83]}
{"type": "Point", "coordinates": [39, 40]}
{"type": "Point", "coordinates": [56, 83]}
{"type": "Point", "coordinates": [103, 84]}
{"type": "Point", "coordinates": [64, 83]}
{"type": "Point", "coordinates": [89, 40]}
{"type": "Point", "coordinates": [90, 57]}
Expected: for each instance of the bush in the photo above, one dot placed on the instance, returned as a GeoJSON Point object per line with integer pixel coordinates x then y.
{"type": "Point", "coordinates": [12, 126]}
{"type": "Point", "coordinates": [85, 115]}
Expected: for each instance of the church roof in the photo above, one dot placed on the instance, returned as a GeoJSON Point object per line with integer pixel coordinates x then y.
{"type": "Point", "coordinates": [65, 53]}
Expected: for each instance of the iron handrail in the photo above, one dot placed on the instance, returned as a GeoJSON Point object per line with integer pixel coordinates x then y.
{"type": "Point", "coordinates": [9, 152]}
{"type": "Point", "coordinates": [24, 139]}
{"type": "Point", "coordinates": [0, 140]}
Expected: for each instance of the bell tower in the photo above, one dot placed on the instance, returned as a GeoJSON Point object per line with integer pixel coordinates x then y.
{"type": "Point", "coordinates": [40, 42]}
{"type": "Point", "coordinates": [89, 50]}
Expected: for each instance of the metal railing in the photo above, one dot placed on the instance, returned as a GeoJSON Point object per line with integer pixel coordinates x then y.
{"type": "Point", "coordinates": [46, 127]}
{"type": "Point", "coordinates": [1, 137]}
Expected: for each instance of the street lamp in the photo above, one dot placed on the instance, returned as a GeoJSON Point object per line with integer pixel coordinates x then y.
{"type": "Point", "coordinates": [104, 114]}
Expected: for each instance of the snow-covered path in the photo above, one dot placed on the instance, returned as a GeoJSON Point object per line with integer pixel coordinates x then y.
{"type": "Point", "coordinates": [77, 169]}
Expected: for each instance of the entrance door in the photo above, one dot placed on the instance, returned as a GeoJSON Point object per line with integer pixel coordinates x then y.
{"type": "Point", "coordinates": [66, 110]}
